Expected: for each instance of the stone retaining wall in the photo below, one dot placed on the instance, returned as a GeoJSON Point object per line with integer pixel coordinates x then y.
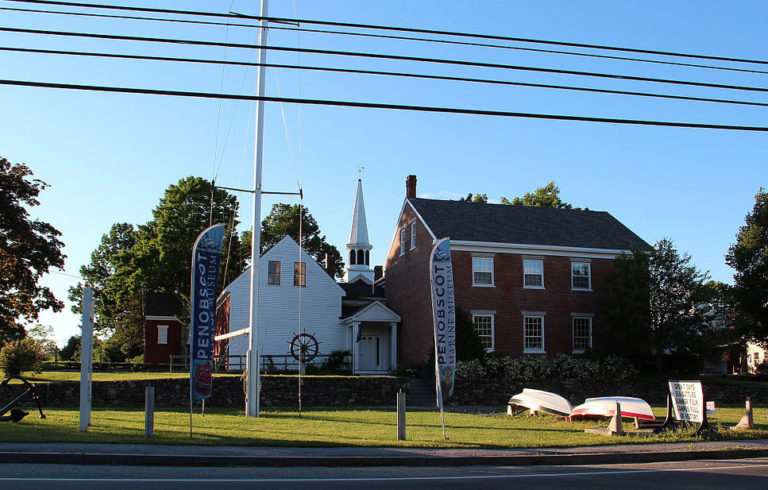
{"type": "Point", "coordinates": [277, 391]}
{"type": "Point", "coordinates": [332, 391]}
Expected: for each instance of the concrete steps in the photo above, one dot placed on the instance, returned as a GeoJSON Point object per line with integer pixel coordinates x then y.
{"type": "Point", "coordinates": [421, 394]}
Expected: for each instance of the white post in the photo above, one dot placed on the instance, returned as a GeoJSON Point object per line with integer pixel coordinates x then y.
{"type": "Point", "coordinates": [393, 346]}
{"type": "Point", "coordinates": [86, 359]}
{"type": "Point", "coordinates": [254, 383]}
{"type": "Point", "coordinates": [355, 347]}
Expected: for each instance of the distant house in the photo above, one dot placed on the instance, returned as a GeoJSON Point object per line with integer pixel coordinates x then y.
{"type": "Point", "coordinates": [164, 335]}
{"type": "Point", "coordinates": [528, 276]}
{"type": "Point", "coordinates": [296, 295]}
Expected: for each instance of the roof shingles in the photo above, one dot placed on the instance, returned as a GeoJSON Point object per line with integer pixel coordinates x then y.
{"type": "Point", "coordinates": [525, 225]}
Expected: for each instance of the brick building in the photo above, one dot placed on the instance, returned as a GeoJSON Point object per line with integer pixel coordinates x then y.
{"type": "Point", "coordinates": [528, 276]}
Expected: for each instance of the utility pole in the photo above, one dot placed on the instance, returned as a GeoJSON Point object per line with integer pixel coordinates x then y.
{"type": "Point", "coordinates": [253, 362]}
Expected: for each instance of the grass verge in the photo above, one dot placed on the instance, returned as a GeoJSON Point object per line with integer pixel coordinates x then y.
{"type": "Point", "coordinates": [327, 427]}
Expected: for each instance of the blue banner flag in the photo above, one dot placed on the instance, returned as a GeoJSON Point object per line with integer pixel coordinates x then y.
{"type": "Point", "coordinates": [206, 257]}
{"type": "Point", "coordinates": [443, 307]}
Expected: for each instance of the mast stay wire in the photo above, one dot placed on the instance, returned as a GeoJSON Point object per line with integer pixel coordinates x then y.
{"type": "Point", "coordinates": [407, 38]}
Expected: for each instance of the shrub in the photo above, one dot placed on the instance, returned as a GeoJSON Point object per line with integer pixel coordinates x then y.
{"type": "Point", "coordinates": [19, 356]}
{"type": "Point", "coordinates": [495, 366]}
{"type": "Point", "coordinates": [336, 362]}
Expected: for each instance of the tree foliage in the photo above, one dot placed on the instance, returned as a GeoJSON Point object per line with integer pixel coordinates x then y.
{"type": "Point", "coordinates": [468, 343]}
{"type": "Point", "coordinates": [155, 257]}
{"type": "Point", "coordinates": [283, 220]}
{"type": "Point", "coordinates": [749, 258]}
{"type": "Point", "coordinates": [28, 249]}
{"type": "Point", "coordinates": [656, 305]}
{"type": "Point", "coordinates": [483, 198]}
{"type": "Point", "coordinates": [543, 197]}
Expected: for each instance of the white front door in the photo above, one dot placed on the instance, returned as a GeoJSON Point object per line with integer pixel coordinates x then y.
{"type": "Point", "coordinates": [370, 353]}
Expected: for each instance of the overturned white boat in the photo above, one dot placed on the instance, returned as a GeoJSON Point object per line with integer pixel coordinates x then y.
{"type": "Point", "coordinates": [540, 401]}
{"type": "Point", "coordinates": [605, 407]}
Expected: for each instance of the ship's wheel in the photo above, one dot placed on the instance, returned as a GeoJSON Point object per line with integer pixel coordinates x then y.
{"type": "Point", "coordinates": [304, 347]}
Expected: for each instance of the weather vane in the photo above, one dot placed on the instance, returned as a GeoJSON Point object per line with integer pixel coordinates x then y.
{"type": "Point", "coordinates": [360, 172]}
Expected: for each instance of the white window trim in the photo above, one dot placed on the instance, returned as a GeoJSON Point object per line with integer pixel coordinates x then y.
{"type": "Point", "coordinates": [575, 316]}
{"type": "Point", "coordinates": [402, 241]}
{"type": "Point", "coordinates": [413, 234]}
{"type": "Point", "coordinates": [493, 270]}
{"type": "Point", "coordinates": [164, 335]}
{"type": "Point", "coordinates": [542, 273]}
{"type": "Point", "coordinates": [535, 314]}
{"type": "Point", "coordinates": [491, 314]}
{"type": "Point", "coordinates": [279, 273]}
{"type": "Point", "coordinates": [589, 275]}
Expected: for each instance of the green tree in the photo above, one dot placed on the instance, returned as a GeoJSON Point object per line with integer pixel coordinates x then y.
{"type": "Point", "coordinates": [483, 198]}
{"type": "Point", "coordinates": [283, 220]}
{"type": "Point", "coordinates": [656, 306]}
{"type": "Point", "coordinates": [28, 249]}
{"type": "Point", "coordinates": [544, 197]}
{"type": "Point", "coordinates": [749, 258]}
{"type": "Point", "coordinates": [155, 257]}
{"type": "Point", "coordinates": [468, 343]}
{"type": "Point", "coordinates": [42, 335]}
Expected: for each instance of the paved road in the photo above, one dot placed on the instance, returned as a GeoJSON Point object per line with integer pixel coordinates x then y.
{"type": "Point", "coordinates": [702, 474]}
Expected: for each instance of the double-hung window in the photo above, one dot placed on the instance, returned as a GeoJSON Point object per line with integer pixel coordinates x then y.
{"type": "Point", "coordinates": [533, 334]}
{"type": "Point", "coordinates": [482, 322]}
{"type": "Point", "coordinates": [273, 273]}
{"type": "Point", "coordinates": [533, 273]}
{"type": "Point", "coordinates": [582, 333]}
{"type": "Point", "coordinates": [162, 334]}
{"type": "Point", "coordinates": [482, 271]}
{"type": "Point", "coordinates": [402, 240]}
{"type": "Point", "coordinates": [581, 277]}
{"type": "Point", "coordinates": [413, 235]}
{"type": "Point", "coordinates": [299, 273]}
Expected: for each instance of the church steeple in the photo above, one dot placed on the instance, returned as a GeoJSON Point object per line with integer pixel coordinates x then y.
{"type": "Point", "coordinates": [358, 248]}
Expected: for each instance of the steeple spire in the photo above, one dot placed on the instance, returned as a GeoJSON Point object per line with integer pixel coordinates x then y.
{"type": "Point", "coordinates": [358, 266]}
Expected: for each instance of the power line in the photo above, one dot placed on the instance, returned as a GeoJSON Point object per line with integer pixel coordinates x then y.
{"type": "Point", "coordinates": [400, 38]}
{"type": "Point", "coordinates": [381, 73]}
{"type": "Point", "coordinates": [384, 56]}
{"type": "Point", "coordinates": [393, 28]}
{"type": "Point", "coordinates": [375, 105]}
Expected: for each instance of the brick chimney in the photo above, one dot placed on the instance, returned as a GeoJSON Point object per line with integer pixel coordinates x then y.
{"type": "Point", "coordinates": [378, 273]}
{"type": "Point", "coordinates": [410, 187]}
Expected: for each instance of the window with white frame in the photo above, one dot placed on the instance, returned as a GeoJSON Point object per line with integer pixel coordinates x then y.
{"type": "Point", "coordinates": [299, 273]}
{"type": "Point", "coordinates": [582, 334]}
{"type": "Point", "coordinates": [273, 273]}
{"type": "Point", "coordinates": [533, 273]}
{"type": "Point", "coordinates": [162, 334]}
{"type": "Point", "coordinates": [413, 235]}
{"type": "Point", "coordinates": [402, 240]}
{"type": "Point", "coordinates": [533, 334]}
{"type": "Point", "coordinates": [581, 277]}
{"type": "Point", "coordinates": [482, 271]}
{"type": "Point", "coordinates": [483, 325]}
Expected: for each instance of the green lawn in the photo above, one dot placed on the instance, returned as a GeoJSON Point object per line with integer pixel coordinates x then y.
{"type": "Point", "coordinates": [326, 427]}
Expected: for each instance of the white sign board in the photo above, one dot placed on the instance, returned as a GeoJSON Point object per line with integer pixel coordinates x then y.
{"type": "Point", "coordinates": [687, 400]}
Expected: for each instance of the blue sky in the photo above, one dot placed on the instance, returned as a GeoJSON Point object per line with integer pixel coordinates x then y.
{"type": "Point", "coordinates": [109, 157]}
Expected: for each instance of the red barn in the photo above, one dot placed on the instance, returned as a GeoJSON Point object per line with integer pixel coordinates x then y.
{"type": "Point", "coordinates": [528, 276]}
{"type": "Point", "coordinates": [164, 334]}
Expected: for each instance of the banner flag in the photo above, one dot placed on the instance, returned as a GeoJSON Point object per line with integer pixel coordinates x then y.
{"type": "Point", "coordinates": [206, 257]}
{"type": "Point", "coordinates": [443, 309]}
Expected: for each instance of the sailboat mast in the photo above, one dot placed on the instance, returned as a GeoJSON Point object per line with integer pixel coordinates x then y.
{"type": "Point", "coordinates": [253, 362]}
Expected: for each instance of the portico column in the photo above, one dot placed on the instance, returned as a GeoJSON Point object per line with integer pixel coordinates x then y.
{"type": "Point", "coordinates": [355, 348]}
{"type": "Point", "coordinates": [393, 346]}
